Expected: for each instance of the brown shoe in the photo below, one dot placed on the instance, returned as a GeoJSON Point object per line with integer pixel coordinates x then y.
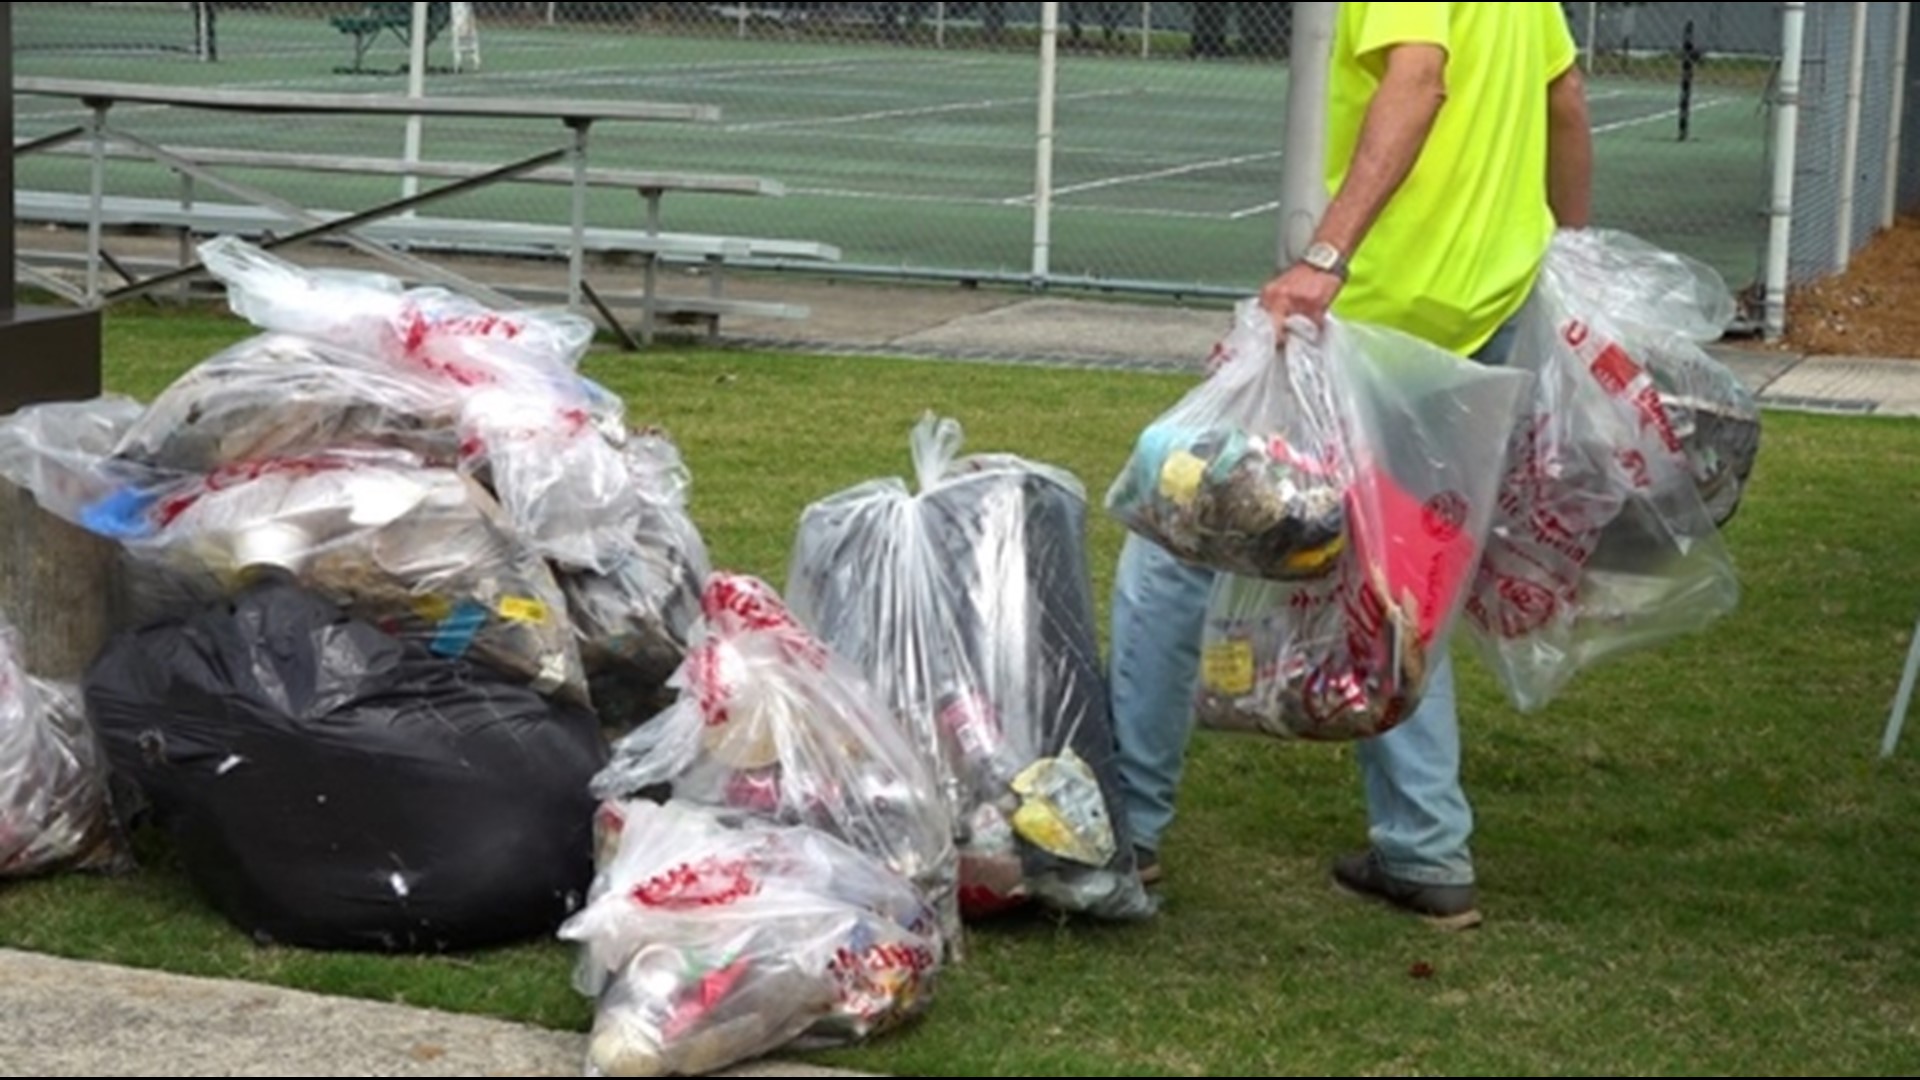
{"type": "Point", "coordinates": [1447, 907]}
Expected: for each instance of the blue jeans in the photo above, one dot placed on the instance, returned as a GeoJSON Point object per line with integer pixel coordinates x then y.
{"type": "Point", "coordinates": [1419, 820]}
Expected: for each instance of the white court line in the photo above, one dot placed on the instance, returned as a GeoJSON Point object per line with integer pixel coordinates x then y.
{"type": "Point", "coordinates": [696, 74]}
{"type": "Point", "coordinates": [323, 84]}
{"type": "Point", "coordinates": [976, 200]}
{"type": "Point", "coordinates": [1263, 208]}
{"type": "Point", "coordinates": [543, 80]}
{"type": "Point", "coordinates": [924, 110]}
{"type": "Point", "coordinates": [1269, 207]}
{"type": "Point", "coordinates": [1667, 114]}
{"type": "Point", "coordinates": [1155, 174]}
{"type": "Point", "coordinates": [895, 196]}
{"type": "Point", "coordinates": [615, 75]}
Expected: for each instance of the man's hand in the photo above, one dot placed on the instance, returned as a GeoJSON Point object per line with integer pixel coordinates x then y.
{"type": "Point", "coordinates": [1299, 290]}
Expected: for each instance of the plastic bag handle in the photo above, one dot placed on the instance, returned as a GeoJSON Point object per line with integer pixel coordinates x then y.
{"type": "Point", "coordinates": [936, 443]}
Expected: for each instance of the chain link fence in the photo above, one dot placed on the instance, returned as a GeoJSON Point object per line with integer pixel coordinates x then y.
{"type": "Point", "coordinates": [910, 135]}
{"type": "Point", "coordinates": [1681, 101]}
{"type": "Point", "coordinates": [1848, 174]}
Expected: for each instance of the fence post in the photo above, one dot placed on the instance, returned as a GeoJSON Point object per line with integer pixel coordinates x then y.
{"type": "Point", "coordinates": [1850, 146]}
{"type": "Point", "coordinates": [416, 89]}
{"type": "Point", "coordinates": [1890, 197]}
{"type": "Point", "coordinates": [1043, 163]}
{"type": "Point", "coordinates": [1303, 180]}
{"type": "Point", "coordinates": [6, 166]}
{"type": "Point", "coordinates": [1593, 33]}
{"type": "Point", "coordinates": [206, 36]}
{"type": "Point", "coordinates": [1786, 158]}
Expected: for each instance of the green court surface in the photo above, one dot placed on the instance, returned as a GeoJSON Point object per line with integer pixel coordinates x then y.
{"type": "Point", "coordinates": [1165, 171]}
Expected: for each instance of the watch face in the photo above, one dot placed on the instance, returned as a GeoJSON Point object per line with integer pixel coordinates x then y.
{"type": "Point", "coordinates": [1324, 257]}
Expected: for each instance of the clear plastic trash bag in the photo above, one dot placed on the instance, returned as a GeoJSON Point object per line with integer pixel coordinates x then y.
{"type": "Point", "coordinates": [771, 721]}
{"type": "Point", "coordinates": [714, 937]}
{"type": "Point", "coordinates": [968, 603]}
{"type": "Point", "coordinates": [1241, 475]}
{"type": "Point", "coordinates": [55, 807]}
{"type": "Point", "coordinates": [1417, 441]}
{"type": "Point", "coordinates": [1604, 543]}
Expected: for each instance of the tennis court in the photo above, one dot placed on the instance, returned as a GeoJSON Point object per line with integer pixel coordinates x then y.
{"type": "Point", "coordinates": [1166, 171]}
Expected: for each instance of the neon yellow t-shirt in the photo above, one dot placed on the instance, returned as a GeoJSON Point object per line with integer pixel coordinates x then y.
{"type": "Point", "coordinates": [1457, 249]}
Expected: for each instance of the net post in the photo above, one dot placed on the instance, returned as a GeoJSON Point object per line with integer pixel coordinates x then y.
{"type": "Point", "coordinates": [1689, 56]}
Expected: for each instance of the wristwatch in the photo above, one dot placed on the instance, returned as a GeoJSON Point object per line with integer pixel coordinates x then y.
{"type": "Point", "coordinates": [1326, 258]}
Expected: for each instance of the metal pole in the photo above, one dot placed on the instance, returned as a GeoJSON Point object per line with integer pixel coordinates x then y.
{"type": "Point", "coordinates": [1890, 196]}
{"type": "Point", "coordinates": [1689, 56]}
{"type": "Point", "coordinates": [96, 197]}
{"type": "Point", "coordinates": [1903, 698]}
{"type": "Point", "coordinates": [740, 24]}
{"type": "Point", "coordinates": [939, 26]}
{"type": "Point", "coordinates": [206, 42]}
{"type": "Point", "coordinates": [1146, 30]}
{"type": "Point", "coordinates": [7, 280]}
{"type": "Point", "coordinates": [1593, 33]}
{"type": "Point", "coordinates": [1850, 147]}
{"type": "Point", "coordinates": [416, 89]}
{"type": "Point", "coordinates": [1303, 171]}
{"type": "Point", "coordinates": [577, 257]}
{"type": "Point", "coordinates": [1043, 164]}
{"type": "Point", "coordinates": [1793, 34]}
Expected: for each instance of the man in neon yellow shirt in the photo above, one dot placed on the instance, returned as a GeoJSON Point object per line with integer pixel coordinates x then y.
{"type": "Point", "coordinates": [1458, 141]}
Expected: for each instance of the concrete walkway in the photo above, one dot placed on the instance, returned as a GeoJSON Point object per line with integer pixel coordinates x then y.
{"type": "Point", "coordinates": [948, 322]}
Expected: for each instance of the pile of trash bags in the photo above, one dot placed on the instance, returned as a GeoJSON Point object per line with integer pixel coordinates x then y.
{"type": "Point", "coordinates": [396, 567]}
{"type": "Point", "coordinates": [415, 620]}
{"type": "Point", "coordinates": [437, 467]}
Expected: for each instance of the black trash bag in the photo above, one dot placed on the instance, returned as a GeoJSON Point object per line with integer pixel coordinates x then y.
{"type": "Point", "coordinates": [330, 786]}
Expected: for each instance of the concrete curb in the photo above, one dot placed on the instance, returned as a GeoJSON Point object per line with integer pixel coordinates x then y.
{"type": "Point", "coordinates": [76, 1018]}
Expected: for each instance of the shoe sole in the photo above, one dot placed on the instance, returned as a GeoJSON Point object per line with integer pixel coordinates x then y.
{"type": "Point", "coordinates": [1462, 920]}
{"type": "Point", "coordinates": [1465, 920]}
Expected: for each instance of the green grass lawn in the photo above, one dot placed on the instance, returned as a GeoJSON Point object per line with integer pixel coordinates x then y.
{"type": "Point", "coordinates": [1692, 863]}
